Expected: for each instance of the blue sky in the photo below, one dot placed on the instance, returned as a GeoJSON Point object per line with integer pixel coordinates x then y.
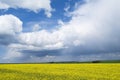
{"type": "Point", "coordinates": [59, 30]}
{"type": "Point", "coordinates": [57, 14]}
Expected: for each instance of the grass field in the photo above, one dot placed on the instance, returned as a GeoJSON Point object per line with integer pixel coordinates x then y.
{"type": "Point", "coordinates": [60, 71]}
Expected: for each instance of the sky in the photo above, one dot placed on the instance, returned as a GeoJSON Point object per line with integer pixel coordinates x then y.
{"type": "Point", "coordinates": [59, 30]}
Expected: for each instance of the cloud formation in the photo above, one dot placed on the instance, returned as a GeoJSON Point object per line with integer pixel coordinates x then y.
{"type": "Point", "coordinates": [33, 5]}
{"type": "Point", "coordinates": [92, 33]}
{"type": "Point", "coordinates": [9, 27]}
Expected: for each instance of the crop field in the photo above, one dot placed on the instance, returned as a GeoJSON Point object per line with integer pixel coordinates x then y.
{"type": "Point", "coordinates": [101, 71]}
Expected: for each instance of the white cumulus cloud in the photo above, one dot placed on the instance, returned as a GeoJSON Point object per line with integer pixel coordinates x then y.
{"type": "Point", "coordinates": [32, 5]}
{"type": "Point", "coordinates": [10, 25]}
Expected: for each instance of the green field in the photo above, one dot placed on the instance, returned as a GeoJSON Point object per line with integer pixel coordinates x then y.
{"type": "Point", "coordinates": [60, 71]}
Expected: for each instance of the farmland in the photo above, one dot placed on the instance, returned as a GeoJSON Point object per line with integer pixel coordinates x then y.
{"type": "Point", "coordinates": [99, 71]}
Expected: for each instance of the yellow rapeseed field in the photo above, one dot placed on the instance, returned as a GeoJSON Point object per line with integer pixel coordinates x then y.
{"type": "Point", "coordinates": [60, 71]}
